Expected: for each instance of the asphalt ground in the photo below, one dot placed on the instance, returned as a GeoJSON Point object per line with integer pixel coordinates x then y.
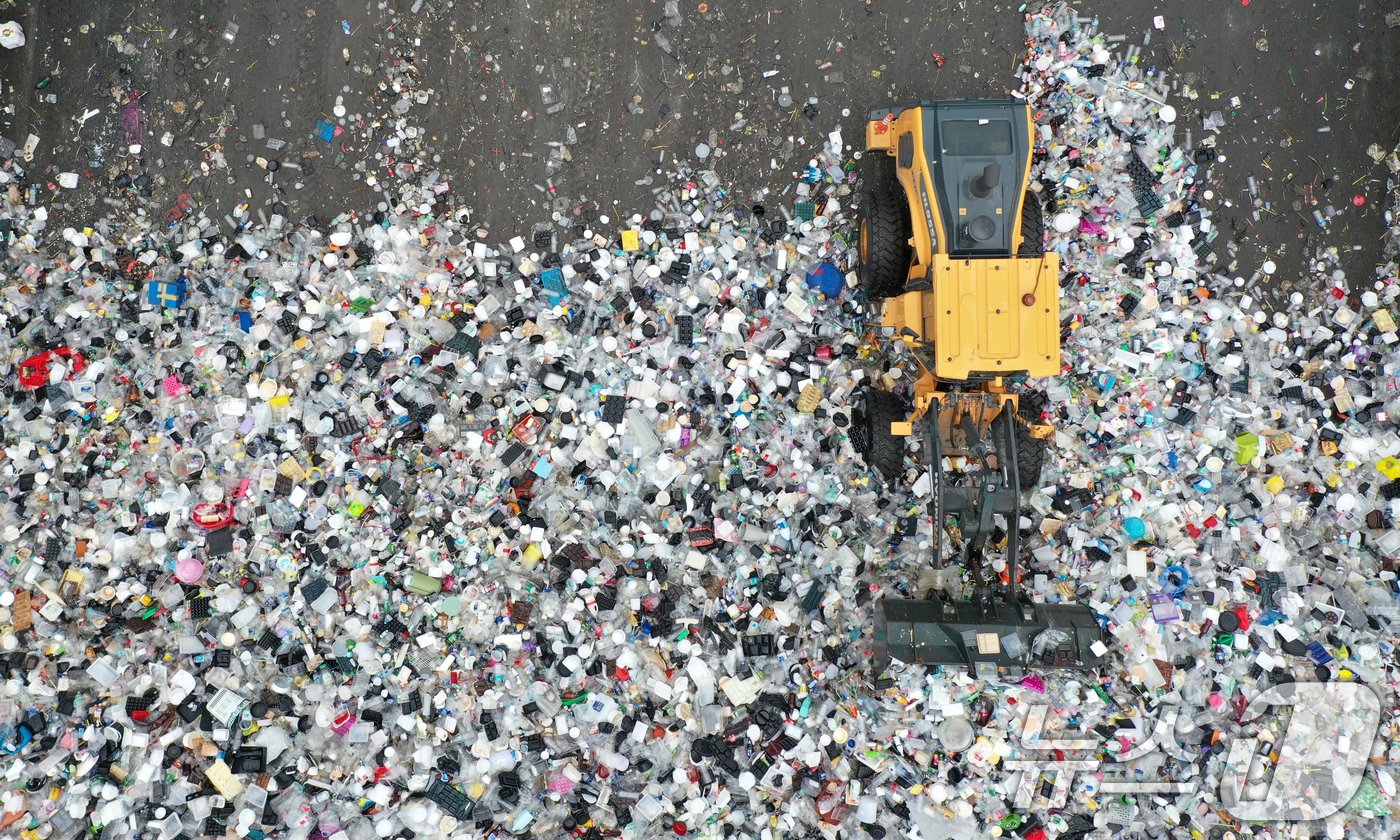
{"type": "Point", "coordinates": [618, 91]}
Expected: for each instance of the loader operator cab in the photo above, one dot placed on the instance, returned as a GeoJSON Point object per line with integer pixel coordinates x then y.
{"type": "Point", "coordinates": [975, 161]}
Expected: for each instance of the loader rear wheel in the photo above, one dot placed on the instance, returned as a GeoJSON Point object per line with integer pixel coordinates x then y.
{"type": "Point", "coordinates": [1032, 227]}
{"type": "Point", "coordinates": [1030, 452]}
{"type": "Point", "coordinates": [870, 433]}
{"type": "Point", "coordinates": [884, 242]}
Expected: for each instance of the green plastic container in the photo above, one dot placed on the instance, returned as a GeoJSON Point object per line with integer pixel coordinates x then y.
{"type": "Point", "coordinates": [1246, 448]}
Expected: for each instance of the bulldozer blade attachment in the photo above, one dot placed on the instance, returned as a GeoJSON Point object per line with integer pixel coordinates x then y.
{"type": "Point", "coordinates": [998, 636]}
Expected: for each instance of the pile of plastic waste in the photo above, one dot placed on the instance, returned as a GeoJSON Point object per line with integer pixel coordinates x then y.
{"type": "Point", "coordinates": [377, 526]}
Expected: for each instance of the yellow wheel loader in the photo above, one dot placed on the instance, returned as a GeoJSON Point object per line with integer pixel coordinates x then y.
{"type": "Point", "coordinates": [952, 252]}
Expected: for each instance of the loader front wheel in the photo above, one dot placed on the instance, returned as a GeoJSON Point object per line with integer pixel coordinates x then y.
{"type": "Point", "coordinates": [1030, 451]}
{"type": "Point", "coordinates": [884, 243]}
{"type": "Point", "coordinates": [871, 436]}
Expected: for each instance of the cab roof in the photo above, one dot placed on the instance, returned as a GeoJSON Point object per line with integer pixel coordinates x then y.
{"type": "Point", "coordinates": [977, 152]}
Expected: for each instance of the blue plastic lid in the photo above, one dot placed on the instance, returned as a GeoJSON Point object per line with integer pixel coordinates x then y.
{"type": "Point", "coordinates": [827, 279]}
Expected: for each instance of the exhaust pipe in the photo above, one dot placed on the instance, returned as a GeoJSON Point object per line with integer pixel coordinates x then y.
{"type": "Point", "coordinates": [983, 184]}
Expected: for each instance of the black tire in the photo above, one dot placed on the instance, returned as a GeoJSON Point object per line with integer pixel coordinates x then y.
{"type": "Point", "coordinates": [884, 242]}
{"type": "Point", "coordinates": [1030, 452]}
{"type": "Point", "coordinates": [1032, 227]}
{"type": "Point", "coordinates": [882, 451]}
